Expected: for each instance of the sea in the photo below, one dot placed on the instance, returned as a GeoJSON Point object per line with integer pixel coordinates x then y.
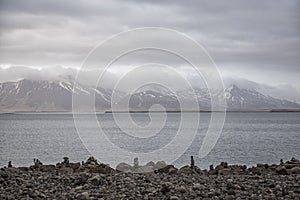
{"type": "Point", "coordinates": [246, 138]}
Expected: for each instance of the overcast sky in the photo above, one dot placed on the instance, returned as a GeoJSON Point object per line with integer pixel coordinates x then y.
{"type": "Point", "coordinates": [257, 40]}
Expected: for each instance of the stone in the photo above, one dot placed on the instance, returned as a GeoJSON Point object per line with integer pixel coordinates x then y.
{"type": "Point", "coordinates": [91, 160]}
{"type": "Point", "coordinates": [66, 170]}
{"type": "Point", "coordinates": [169, 169]}
{"type": "Point", "coordinates": [231, 192]}
{"type": "Point", "coordinates": [295, 170]}
{"type": "Point", "coordinates": [151, 163]}
{"type": "Point", "coordinates": [198, 186]}
{"type": "Point", "coordinates": [185, 170]}
{"type": "Point", "coordinates": [123, 167]}
{"type": "Point", "coordinates": [74, 166]}
{"type": "Point", "coordinates": [136, 163]}
{"type": "Point", "coordinates": [95, 180]}
{"type": "Point", "coordinates": [83, 196]}
{"type": "Point", "coordinates": [47, 168]}
{"type": "Point", "coordinates": [174, 198]}
{"type": "Point", "coordinates": [83, 178]}
{"type": "Point", "coordinates": [166, 187]}
{"type": "Point", "coordinates": [181, 189]}
{"type": "Point", "coordinates": [160, 164]}
{"type": "Point", "coordinates": [225, 171]}
{"type": "Point", "coordinates": [281, 170]}
{"type": "Point", "coordinates": [145, 169]}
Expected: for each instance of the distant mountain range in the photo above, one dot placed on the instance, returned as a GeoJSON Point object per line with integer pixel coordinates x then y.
{"type": "Point", "coordinates": [43, 95]}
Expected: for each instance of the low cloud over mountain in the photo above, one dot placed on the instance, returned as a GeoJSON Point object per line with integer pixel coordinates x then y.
{"type": "Point", "coordinates": [43, 95]}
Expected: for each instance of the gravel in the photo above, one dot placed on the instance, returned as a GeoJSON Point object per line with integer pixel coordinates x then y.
{"type": "Point", "coordinates": [93, 180]}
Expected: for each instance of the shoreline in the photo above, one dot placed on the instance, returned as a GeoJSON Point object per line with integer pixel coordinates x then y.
{"type": "Point", "coordinates": [153, 111]}
{"type": "Point", "coordinates": [95, 180]}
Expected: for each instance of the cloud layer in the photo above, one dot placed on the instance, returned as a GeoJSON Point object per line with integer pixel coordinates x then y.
{"type": "Point", "coordinates": [257, 40]}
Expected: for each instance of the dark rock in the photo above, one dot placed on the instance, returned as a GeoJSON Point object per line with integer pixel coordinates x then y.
{"type": "Point", "coordinates": [123, 167]}
{"type": "Point", "coordinates": [185, 170]}
{"type": "Point", "coordinates": [225, 171]}
{"type": "Point", "coordinates": [231, 192]}
{"type": "Point", "coordinates": [48, 168]}
{"type": "Point", "coordinates": [295, 170]}
{"type": "Point", "coordinates": [169, 169]}
{"type": "Point", "coordinates": [281, 170]}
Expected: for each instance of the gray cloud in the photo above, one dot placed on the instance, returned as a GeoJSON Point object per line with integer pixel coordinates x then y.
{"type": "Point", "coordinates": [243, 37]}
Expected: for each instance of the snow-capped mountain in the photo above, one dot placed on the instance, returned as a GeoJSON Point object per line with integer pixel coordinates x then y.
{"type": "Point", "coordinates": [42, 95]}
{"type": "Point", "coordinates": [245, 99]}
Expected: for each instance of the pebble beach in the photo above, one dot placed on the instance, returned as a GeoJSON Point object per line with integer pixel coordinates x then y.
{"type": "Point", "coordinates": [95, 180]}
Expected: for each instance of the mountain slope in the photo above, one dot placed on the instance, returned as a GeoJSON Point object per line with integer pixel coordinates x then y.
{"type": "Point", "coordinates": [32, 95]}
{"type": "Point", "coordinates": [41, 95]}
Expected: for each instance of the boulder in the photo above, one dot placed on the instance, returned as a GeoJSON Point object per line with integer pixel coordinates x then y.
{"type": "Point", "coordinates": [99, 168]}
{"type": "Point", "coordinates": [74, 166]}
{"type": "Point", "coordinates": [160, 164]}
{"type": "Point", "coordinates": [145, 169]}
{"type": "Point", "coordinates": [290, 165]}
{"type": "Point", "coordinates": [260, 165]}
{"type": "Point", "coordinates": [185, 170]}
{"type": "Point", "coordinates": [47, 168]}
{"type": "Point", "coordinates": [95, 180]}
{"type": "Point", "coordinates": [68, 170]}
{"type": "Point", "coordinates": [225, 171]}
{"type": "Point", "coordinates": [124, 167]}
{"type": "Point", "coordinates": [169, 169]}
{"type": "Point", "coordinates": [295, 170]}
{"type": "Point", "coordinates": [91, 161]}
{"type": "Point", "coordinates": [281, 170]}
{"type": "Point", "coordinates": [83, 196]}
{"type": "Point", "coordinates": [151, 163]}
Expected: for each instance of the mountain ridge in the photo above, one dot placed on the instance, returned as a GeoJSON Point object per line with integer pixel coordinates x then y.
{"type": "Point", "coordinates": [43, 95]}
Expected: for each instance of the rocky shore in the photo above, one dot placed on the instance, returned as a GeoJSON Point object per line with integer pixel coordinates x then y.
{"type": "Point", "coordinates": [94, 180]}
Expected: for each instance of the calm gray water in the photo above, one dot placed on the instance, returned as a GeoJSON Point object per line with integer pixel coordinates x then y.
{"type": "Point", "coordinates": [247, 138]}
